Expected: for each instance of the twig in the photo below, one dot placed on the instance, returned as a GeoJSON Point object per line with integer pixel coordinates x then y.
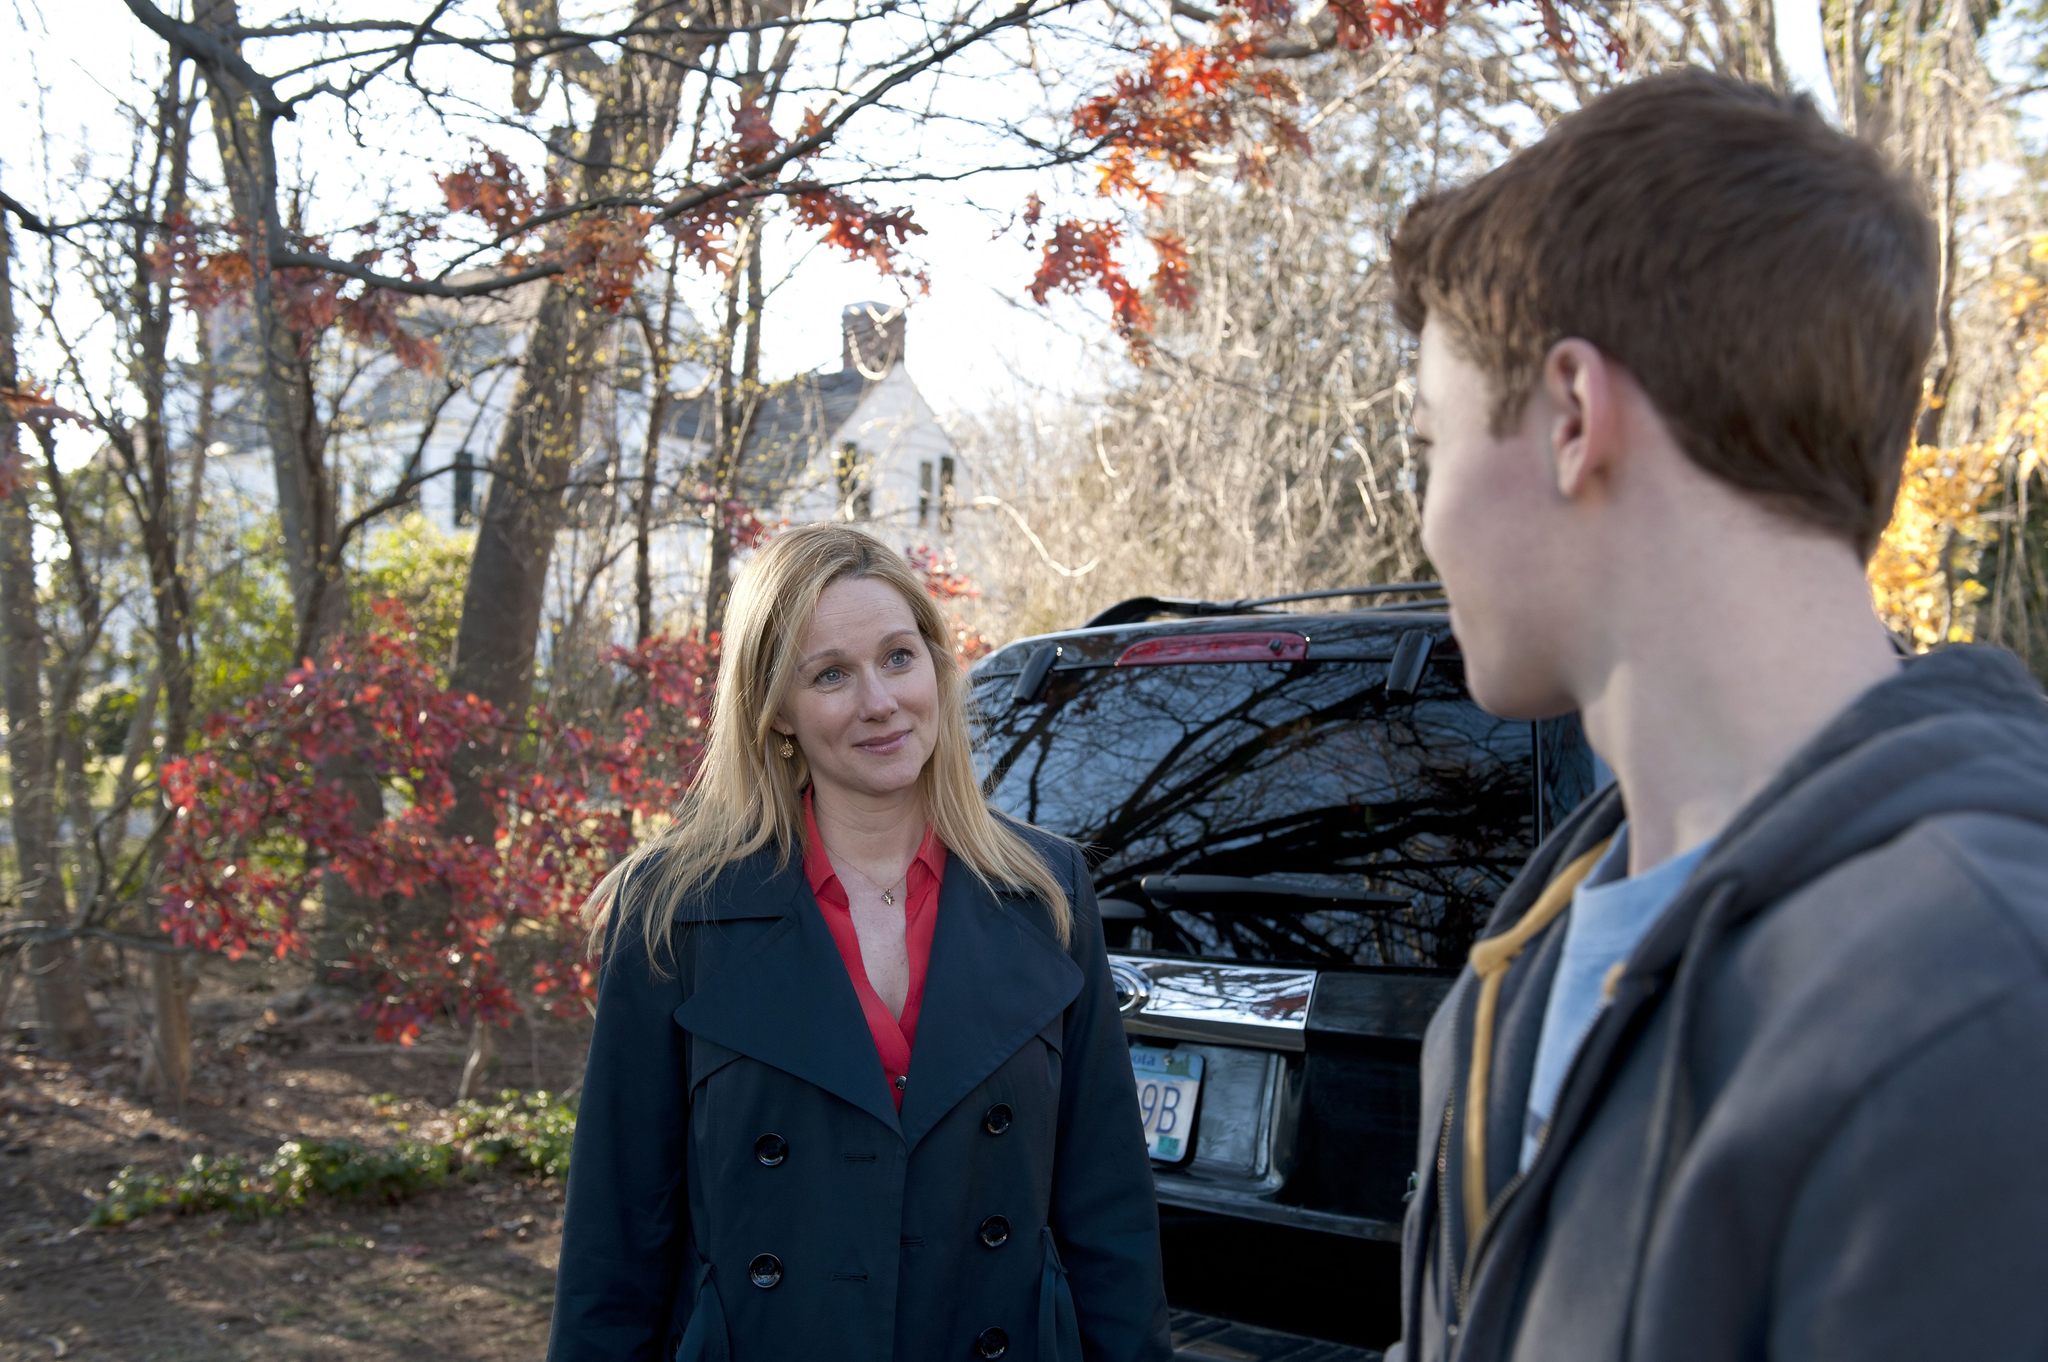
{"type": "Point", "coordinates": [997, 503]}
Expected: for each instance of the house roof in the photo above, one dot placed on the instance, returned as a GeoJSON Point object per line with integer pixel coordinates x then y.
{"type": "Point", "coordinates": [794, 420]}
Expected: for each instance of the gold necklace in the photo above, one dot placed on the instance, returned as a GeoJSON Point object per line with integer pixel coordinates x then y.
{"type": "Point", "coordinates": [888, 895]}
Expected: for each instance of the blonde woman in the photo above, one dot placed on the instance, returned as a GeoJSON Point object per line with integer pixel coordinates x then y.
{"type": "Point", "coordinates": [858, 1088]}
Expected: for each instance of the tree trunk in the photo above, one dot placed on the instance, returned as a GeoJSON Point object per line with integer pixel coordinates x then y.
{"type": "Point", "coordinates": [148, 454]}
{"type": "Point", "coordinates": [168, 1073]}
{"type": "Point", "coordinates": [635, 107]}
{"type": "Point", "coordinates": [307, 505]}
{"type": "Point", "coordinates": [718, 570]}
{"type": "Point", "coordinates": [643, 517]}
{"type": "Point", "coordinates": [660, 364]}
{"type": "Point", "coordinates": [1927, 430]}
{"type": "Point", "coordinates": [739, 396]}
{"type": "Point", "coordinates": [65, 1015]}
{"type": "Point", "coordinates": [505, 592]}
{"type": "Point", "coordinates": [479, 1063]}
{"type": "Point", "coordinates": [306, 510]}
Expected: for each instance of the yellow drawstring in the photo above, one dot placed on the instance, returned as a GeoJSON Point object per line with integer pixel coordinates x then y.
{"type": "Point", "coordinates": [1490, 960]}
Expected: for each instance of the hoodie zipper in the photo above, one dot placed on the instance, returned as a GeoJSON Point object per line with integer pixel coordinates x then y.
{"type": "Point", "coordinates": [1461, 1043]}
{"type": "Point", "coordinates": [1493, 1211]}
{"type": "Point", "coordinates": [1443, 1174]}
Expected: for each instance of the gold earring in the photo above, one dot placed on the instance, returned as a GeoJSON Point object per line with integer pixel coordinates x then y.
{"type": "Point", "coordinates": [788, 749]}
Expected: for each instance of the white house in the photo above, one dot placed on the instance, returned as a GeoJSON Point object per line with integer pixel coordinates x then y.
{"type": "Point", "coordinates": [857, 443]}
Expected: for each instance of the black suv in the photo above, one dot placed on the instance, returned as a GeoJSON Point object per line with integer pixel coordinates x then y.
{"type": "Point", "coordinates": [1298, 822]}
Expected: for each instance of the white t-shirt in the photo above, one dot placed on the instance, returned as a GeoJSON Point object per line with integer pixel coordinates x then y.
{"type": "Point", "coordinates": [1611, 912]}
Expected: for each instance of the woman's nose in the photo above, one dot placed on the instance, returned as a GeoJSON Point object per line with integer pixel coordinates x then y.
{"type": "Point", "coordinates": [877, 701]}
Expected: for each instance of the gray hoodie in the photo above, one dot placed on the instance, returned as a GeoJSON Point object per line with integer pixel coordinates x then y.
{"type": "Point", "coordinates": [1812, 1122]}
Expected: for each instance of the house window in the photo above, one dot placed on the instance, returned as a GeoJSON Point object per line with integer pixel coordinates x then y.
{"type": "Point", "coordinates": [946, 494]}
{"type": "Point", "coordinates": [856, 492]}
{"type": "Point", "coordinates": [465, 488]}
{"type": "Point", "coordinates": [924, 494]}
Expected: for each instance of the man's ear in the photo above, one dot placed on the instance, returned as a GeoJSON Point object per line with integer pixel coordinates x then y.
{"type": "Point", "coordinates": [1579, 385]}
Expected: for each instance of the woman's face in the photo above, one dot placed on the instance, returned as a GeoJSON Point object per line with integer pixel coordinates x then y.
{"type": "Point", "coordinates": [863, 703]}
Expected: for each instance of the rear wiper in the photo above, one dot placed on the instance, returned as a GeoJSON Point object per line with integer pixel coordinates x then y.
{"type": "Point", "coordinates": [1212, 892]}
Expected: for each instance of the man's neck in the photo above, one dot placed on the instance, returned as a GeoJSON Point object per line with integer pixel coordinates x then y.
{"type": "Point", "coordinates": [1700, 708]}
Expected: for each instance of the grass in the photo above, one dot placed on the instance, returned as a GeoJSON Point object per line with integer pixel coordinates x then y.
{"type": "Point", "coordinates": [526, 1134]}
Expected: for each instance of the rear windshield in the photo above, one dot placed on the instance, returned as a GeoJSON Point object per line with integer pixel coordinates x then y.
{"type": "Point", "coordinates": [1359, 830]}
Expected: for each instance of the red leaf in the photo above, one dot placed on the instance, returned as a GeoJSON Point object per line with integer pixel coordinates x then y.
{"type": "Point", "coordinates": [33, 405]}
{"type": "Point", "coordinates": [1170, 277]}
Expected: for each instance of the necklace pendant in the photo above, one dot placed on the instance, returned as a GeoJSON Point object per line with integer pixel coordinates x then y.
{"type": "Point", "coordinates": [889, 898]}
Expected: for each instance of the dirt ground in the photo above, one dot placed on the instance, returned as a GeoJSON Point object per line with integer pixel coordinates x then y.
{"type": "Point", "coordinates": [464, 1274]}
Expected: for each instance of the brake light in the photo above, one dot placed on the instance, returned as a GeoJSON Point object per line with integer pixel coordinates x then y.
{"type": "Point", "coordinates": [1259, 647]}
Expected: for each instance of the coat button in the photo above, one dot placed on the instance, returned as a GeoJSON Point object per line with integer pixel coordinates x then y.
{"type": "Point", "coordinates": [997, 1118]}
{"type": "Point", "coordinates": [902, 1081]}
{"type": "Point", "coordinates": [995, 1231]}
{"type": "Point", "coordinates": [991, 1343]}
{"type": "Point", "coordinates": [770, 1150]}
{"type": "Point", "coordinates": [765, 1271]}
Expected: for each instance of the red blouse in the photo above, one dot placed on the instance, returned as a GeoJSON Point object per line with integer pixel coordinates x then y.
{"type": "Point", "coordinates": [893, 1035]}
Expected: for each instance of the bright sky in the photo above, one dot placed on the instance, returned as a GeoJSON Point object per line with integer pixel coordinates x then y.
{"type": "Point", "coordinates": [974, 340]}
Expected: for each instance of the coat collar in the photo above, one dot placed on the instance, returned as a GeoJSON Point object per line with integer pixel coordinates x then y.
{"type": "Point", "coordinates": [995, 978]}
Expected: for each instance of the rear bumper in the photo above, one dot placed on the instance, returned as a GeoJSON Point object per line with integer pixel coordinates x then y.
{"type": "Point", "coordinates": [1203, 1338]}
{"type": "Point", "coordinates": [1186, 1193]}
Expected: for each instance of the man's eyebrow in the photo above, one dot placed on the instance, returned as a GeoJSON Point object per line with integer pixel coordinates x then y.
{"type": "Point", "coordinates": [824, 653]}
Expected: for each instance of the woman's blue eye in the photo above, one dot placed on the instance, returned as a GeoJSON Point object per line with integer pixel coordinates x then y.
{"type": "Point", "coordinates": [900, 658]}
{"type": "Point", "coordinates": [827, 676]}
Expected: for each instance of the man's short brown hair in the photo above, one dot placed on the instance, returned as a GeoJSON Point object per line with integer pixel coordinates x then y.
{"type": "Point", "coordinates": [1768, 280]}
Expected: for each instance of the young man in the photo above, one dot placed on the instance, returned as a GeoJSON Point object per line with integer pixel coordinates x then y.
{"type": "Point", "coordinates": [1752, 1061]}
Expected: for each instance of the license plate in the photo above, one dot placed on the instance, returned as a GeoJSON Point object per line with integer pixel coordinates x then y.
{"type": "Point", "coordinates": [1168, 1083]}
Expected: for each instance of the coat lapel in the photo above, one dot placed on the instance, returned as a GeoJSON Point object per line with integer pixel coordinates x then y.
{"type": "Point", "coordinates": [994, 980]}
{"type": "Point", "coordinates": [787, 1001]}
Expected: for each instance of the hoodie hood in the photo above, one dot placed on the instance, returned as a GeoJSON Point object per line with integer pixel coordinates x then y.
{"type": "Point", "coordinates": [1961, 730]}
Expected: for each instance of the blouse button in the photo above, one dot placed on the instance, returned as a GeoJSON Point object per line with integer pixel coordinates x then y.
{"type": "Point", "coordinates": [997, 1118]}
{"type": "Point", "coordinates": [902, 1082]}
{"type": "Point", "coordinates": [770, 1150]}
{"type": "Point", "coordinates": [991, 1343]}
{"type": "Point", "coordinates": [995, 1231]}
{"type": "Point", "coordinates": [765, 1271]}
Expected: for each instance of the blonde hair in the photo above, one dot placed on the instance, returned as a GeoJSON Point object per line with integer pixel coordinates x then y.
{"type": "Point", "coordinates": [745, 796]}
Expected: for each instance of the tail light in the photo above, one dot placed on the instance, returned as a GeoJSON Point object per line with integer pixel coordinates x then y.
{"type": "Point", "coordinates": [1264, 646]}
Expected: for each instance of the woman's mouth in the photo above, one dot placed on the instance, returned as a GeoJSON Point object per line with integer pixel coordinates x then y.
{"type": "Point", "coordinates": [883, 747]}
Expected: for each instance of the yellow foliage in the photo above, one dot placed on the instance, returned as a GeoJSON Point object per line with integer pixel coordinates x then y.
{"type": "Point", "coordinates": [1935, 540]}
{"type": "Point", "coordinates": [1937, 534]}
{"type": "Point", "coordinates": [2024, 428]}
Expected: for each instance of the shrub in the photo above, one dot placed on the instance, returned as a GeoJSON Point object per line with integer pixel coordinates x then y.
{"type": "Point", "coordinates": [528, 1134]}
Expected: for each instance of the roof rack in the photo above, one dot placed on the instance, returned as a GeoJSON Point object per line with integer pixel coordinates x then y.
{"type": "Point", "coordinates": [1145, 607]}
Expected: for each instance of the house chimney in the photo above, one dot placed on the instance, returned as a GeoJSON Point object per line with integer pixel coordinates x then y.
{"type": "Point", "coordinates": [871, 337]}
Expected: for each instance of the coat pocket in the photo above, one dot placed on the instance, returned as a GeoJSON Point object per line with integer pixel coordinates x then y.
{"type": "Point", "coordinates": [705, 1338]}
{"type": "Point", "coordinates": [1059, 1328]}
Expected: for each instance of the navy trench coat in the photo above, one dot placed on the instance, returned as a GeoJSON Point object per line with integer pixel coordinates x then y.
{"type": "Point", "coordinates": [743, 1188]}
